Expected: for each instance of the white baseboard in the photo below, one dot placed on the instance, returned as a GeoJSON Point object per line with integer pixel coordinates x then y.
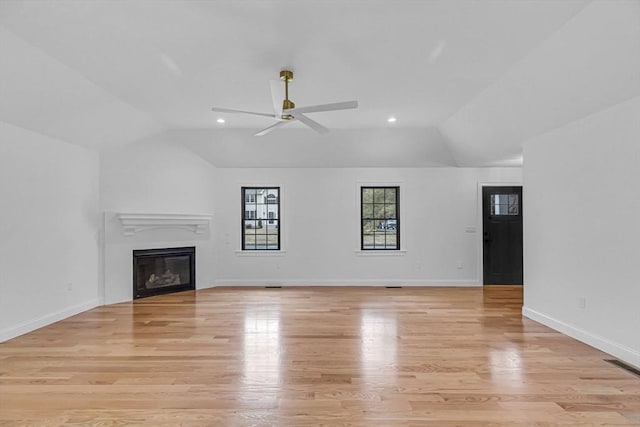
{"type": "Point", "coordinates": [346, 282]}
{"type": "Point", "coordinates": [617, 350]}
{"type": "Point", "coordinates": [32, 325]}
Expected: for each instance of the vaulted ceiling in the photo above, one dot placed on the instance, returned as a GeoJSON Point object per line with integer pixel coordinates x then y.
{"type": "Point", "coordinates": [468, 81]}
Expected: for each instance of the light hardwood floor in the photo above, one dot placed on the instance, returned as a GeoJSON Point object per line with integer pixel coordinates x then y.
{"type": "Point", "coordinates": [312, 357]}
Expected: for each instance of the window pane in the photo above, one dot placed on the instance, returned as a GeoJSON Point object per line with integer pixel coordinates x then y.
{"type": "Point", "coordinates": [250, 196]}
{"type": "Point", "coordinates": [390, 211]}
{"type": "Point", "coordinates": [261, 241]}
{"type": "Point", "coordinates": [248, 225]}
{"type": "Point", "coordinates": [272, 196]}
{"type": "Point", "coordinates": [272, 211]}
{"type": "Point", "coordinates": [514, 205]}
{"type": "Point", "coordinates": [272, 228]}
{"type": "Point", "coordinates": [390, 195]}
{"type": "Point", "coordinates": [249, 239]}
{"type": "Point", "coordinates": [367, 210]}
{"type": "Point", "coordinates": [367, 241]}
{"type": "Point", "coordinates": [505, 204]}
{"type": "Point", "coordinates": [378, 211]}
{"type": "Point", "coordinates": [367, 195]}
{"type": "Point", "coordinates": [378, 195]}
{"type": "Point", "coordinates": [391, 239]}
{"type": "Point", "coordinates": [367, 226]}
{"type": "Point", "coordinates": [272, 241]}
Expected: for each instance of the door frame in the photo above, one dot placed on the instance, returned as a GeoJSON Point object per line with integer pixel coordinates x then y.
{"type": "Point", "coordinates": [479, 230]}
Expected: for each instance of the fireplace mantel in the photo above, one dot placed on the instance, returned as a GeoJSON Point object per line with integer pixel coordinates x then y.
{"type": "Point", "coordinates": [133, 223]}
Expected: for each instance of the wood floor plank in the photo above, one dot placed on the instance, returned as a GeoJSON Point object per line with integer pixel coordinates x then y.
{"type": "Point", "coordinates": [312, 356]}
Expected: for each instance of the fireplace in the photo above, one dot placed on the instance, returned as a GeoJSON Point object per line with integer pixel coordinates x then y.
{"type": "Point", "coordinates": [162, 271]}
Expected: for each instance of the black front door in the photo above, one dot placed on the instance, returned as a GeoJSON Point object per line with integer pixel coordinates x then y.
{"type": "Point", "coordinates": [502, 233]}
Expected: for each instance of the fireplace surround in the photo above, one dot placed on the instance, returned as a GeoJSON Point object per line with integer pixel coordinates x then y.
{"type": "Point", "coordinates": [162, 271]}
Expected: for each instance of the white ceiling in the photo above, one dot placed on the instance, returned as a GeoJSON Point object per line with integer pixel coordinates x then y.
{"type": "Point", "coordinates": [469, 81]}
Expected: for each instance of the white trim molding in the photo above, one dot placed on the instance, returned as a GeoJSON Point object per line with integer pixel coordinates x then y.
{"type": "Point", "coordinates": [260, 253]}
{"type": "Point", "coordinates": [382, 252]}
{"type": "Point", "coordinates": [619, 351]}
{"type": "Point", "coordinates": [422, 283]}
{"type": "Point", "coordinates": [47, 319]}
{"type": "Point", "coordinates": [133, 223]}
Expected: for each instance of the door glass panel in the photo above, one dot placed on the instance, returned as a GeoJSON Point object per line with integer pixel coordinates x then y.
{"type": "Point", "coordinates": [505, 204]}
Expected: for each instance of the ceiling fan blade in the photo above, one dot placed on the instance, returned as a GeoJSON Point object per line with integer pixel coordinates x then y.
{"type": "Point", "coordinates": [325, 107]}
{"type": "Point", "coordinates": [276, 97]}
{"type": "Point", "coordinates": [228, 110]}
{"type": "Point", "coordinates": [311, 123]}
{"type": "Point", "coordinates": [272, 128]}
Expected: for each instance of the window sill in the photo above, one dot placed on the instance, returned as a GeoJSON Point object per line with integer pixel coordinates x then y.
{"type": "Point", "coordinates": [382, 252]}
{"type": "Point", "coordinates": [264, 253]}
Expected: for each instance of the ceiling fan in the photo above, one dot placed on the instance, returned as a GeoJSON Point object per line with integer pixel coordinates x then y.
{"type": "Point", "coordinates": [287, 112]}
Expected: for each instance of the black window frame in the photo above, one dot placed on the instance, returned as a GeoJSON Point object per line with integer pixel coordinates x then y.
{"type": "Point", "coordinates": [363, 219]}
{"type": "Point", "coordinates": [266, 221]}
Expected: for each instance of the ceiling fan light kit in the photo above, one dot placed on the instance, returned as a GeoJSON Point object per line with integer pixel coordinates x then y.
{"type": "Point", "coordinates": [289, 113]}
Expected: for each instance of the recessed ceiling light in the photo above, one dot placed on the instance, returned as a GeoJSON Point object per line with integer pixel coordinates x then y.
{"type": "Point", "coordinates": [391, 119]}
{"type": "Point", "coordinates": [220, 120]}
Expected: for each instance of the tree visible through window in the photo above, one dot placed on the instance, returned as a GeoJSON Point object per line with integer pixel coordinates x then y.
{"type": "Point", "coordinates": [260, 218]}
{"type": "Point", "coordinates": [379, 218]}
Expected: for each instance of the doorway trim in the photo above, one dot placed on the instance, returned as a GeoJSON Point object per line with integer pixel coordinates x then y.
{"type": "Point", "coordinates": [479, 223]}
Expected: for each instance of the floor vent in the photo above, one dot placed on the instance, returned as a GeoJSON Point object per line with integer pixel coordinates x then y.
{"type": "Point", "coordinates": [624, 366]}
{"type": "Point", "coordinates": [273, 287]}
{"type": "Point", "coordinates": [393, 287]}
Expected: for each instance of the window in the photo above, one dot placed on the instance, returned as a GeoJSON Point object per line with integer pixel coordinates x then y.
{"type": "Point", "coordinates": [379, 218]}
{"type": "Point", "coordinates": [505, 204]}
{"type": "Point", "coordinates": [260, 218]}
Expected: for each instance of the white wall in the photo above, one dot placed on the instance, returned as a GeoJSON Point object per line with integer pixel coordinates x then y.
{"type": "Point", "coordinates": [152, 176]}
{"type": "Point", "coordinates": [582, 229]}
{"type": "Point", "coordinates": [320, 226]}
{"type": "Point", "coordinates": [53, 195]}
{"type": "Point", "coordinates": [48, 230]}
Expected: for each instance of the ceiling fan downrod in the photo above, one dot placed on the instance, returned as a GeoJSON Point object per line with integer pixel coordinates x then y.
{"type": "Point", "coordinates": [287, 76]}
